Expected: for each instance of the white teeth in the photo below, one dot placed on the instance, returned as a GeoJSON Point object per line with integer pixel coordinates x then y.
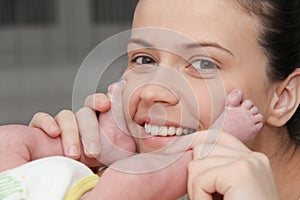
{"type": "Point", "coordinates": [186, 131]}
{"type": "Point", "coordinates": [165, 130]}
{"type": "Point", "coordinates": [179, 131]}
{"type": "Point", "coordinates": [192, 131]}
{"type": "Point", "coordinates": [147, 128]}
{"type": "Point", "coordinates": [172, 130]}
{"type": "Point", "coordinates": [154, 130]}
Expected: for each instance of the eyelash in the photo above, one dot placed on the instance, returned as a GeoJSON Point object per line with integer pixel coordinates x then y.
{"type": "Point", "coordinates": [190, 66]}
{"type": "Point", "coordinates": [213, 63]}
{"type": "Point", "coordinates": [134, 60]}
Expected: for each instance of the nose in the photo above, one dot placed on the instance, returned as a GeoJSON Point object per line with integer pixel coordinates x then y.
{"type": "Point", "coordinates": [157, 93]}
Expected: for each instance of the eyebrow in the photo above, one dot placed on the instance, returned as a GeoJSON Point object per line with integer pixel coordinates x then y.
{"type": "Point", "coordinates": [185, 46]}
{"type": "Point", "coordinates": [140, 42]}
{"type": "Point", "coordinates": [206, 44]}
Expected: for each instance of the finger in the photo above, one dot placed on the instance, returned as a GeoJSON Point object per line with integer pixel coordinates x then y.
{"type": "Point", "coordinates": [219, 175]}
{"type": "Point", "coordinates": [69, 133]}
{"type": "Point", "coordinates": [200, 166]}
{"type": "Point", "coordinates": [99, 102]}
{"type": "Point", "coordinates": [197, 167]}
{"type": "Point", "coordinates": [89, 131]}
{"type": "Point", "coordinates": [204, 176]}
{"type": "Point", "coordinates": [45, 122]}
{"type": "Point", "coordinates": [197, 193]}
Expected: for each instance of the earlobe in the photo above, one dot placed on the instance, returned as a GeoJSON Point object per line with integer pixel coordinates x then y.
{"type": "Point", "coordinates": [285, 100]}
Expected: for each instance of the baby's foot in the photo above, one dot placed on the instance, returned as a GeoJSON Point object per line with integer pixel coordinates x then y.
{"type": "Point", "coordinates": [116, 143]}
{"type": "Point", "coordinates": [240, 117]}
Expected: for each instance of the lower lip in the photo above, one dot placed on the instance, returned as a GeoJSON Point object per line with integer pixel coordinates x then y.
{"type": "Point", "coordinates": [157, 142]}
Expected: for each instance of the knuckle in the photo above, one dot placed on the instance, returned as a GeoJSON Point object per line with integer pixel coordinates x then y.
{"type": "Point", "coordinates": [73, 140]}
{"type": "Point", "coordinates": [70, 127]}
{"type": "Point", "coordinates": [252, 164]}
{"type": "Point", "coordinates": [84, 113]}
{"type": "Point", "coordinates": [40, 118]}
{"type": "Point", "coordinates": [65, 112]}
{"type": "Point", "coordinates": [262, 158]}
{"type": "Point", "coordinates": [245, 163]}
{"type": "Point", "coordinates": [71, 135]}
{"type": "Point", "coordinates": [88, 99]}
{"type": "Point", "coordinates": [39, 115]}
{"type": "Point", "coordinates": [82, 110]}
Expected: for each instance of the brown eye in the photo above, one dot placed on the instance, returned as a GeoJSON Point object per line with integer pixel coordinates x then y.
{"type": "Point", "coordinates": [144, 60]}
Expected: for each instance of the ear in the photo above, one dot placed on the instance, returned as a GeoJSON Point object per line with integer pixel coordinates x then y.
{"type": "Point", "coordinates": [285, 100]}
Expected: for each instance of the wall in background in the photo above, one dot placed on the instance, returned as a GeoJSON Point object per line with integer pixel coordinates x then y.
{"type": "Point", "coordinates": [42, 44]}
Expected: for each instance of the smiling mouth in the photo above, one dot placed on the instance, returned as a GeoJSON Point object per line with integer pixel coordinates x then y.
{"type": "Point", "coordinates": [164, 131]}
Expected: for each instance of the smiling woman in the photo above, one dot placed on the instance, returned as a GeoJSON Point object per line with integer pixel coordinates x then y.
{"type": "Point", "coordinates": [262, 45]}
{"type": "Point", "coordinates": [193, 65]}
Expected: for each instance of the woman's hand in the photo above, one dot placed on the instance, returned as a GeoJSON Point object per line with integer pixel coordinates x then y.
{"type": "Point", "coordinates": [98, 141]}
{"type": "Point", "coordinates": [66, 125]}
{"type": "Point", "coordinates": [228, 168]}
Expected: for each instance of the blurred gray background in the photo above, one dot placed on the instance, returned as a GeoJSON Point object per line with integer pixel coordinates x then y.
{"type": "Point", "coordinates": [43, 43]}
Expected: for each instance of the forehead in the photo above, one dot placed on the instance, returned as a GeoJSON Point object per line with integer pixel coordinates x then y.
{"type": "Point", "coordinates": [220, 21]}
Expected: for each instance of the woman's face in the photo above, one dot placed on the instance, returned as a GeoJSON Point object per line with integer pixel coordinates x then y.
{"type": "Point", "coordinates": [184, 57]}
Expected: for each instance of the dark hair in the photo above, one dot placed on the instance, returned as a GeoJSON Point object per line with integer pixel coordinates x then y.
{"type": "Point", "coordinates": [280, 42]}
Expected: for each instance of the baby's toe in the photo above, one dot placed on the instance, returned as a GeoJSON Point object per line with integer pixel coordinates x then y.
{"type": "Point", "coordinates": [258, 127]}
{"type": "Point", "coordinates": [254, 110]}
{"type": "Point", "coordinates": [234, 98]}
{"type": "Point", "coordinates": [247, 104]}
{"type": "Point", "coordinates": [258, 118]}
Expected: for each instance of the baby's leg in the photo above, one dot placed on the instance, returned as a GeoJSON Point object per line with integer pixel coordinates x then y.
{"type": "Point", "coordinates": [119, 183]}
{"type": "Point", "coordinates": [116, 143]}
{"type": "Point", "coordinates": [240, 117]}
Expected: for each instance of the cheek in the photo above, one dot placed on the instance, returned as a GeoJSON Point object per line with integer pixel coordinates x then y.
{"type": "Point", "coordinates": [257, 89]}
{"type": "Point", "coordinates": [210, 100]}
{"type": "Point", "coordinates": [261, 97]}
{"type": "Point", "coordinates": [130, 101]}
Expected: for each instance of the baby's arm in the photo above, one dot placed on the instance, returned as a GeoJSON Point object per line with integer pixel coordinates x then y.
{"type": "Point", "coordinates": [21, 144]}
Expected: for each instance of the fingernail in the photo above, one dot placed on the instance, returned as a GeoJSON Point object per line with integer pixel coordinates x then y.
{"type": "Point", "coordinates": [93, 148]}
{"type": "Point", "coordinates": [73, 151]}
